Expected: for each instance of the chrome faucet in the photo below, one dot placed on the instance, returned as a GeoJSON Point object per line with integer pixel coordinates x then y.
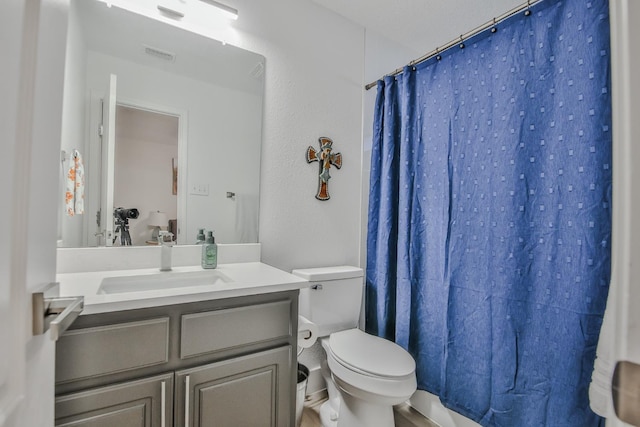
{"type": "Point", "coordinates": [165, 240]}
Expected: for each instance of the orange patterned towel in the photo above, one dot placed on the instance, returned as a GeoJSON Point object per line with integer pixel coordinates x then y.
{"type": "Point", "coordinates": [74, 196]}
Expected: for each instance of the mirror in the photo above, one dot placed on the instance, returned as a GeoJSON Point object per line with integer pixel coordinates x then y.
{"type": "Point", "coordinates": [161, 120]}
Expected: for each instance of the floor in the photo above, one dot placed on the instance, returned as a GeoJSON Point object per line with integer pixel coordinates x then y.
{"type": "Point", "coordinates": [405, 415]}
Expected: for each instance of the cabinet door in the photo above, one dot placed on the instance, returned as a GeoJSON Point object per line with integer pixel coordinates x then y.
{"type": "Point", "coordinates": [142, 403]}
{"type": "Point", "coordinates": [253, 390]}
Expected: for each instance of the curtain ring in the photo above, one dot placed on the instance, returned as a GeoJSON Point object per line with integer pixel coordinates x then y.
{"type": "Point", "coordinates": [494, 29]}
{"type": "Point", "coordinates": [438, 56]}
{"type": "Point", "coordinates": [528, 11]}
{"type": "Point", "coordinates": [461, 42]}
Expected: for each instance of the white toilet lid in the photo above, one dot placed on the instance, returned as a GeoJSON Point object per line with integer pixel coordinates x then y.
{"type": "Point", "coordinates": [371, 354]}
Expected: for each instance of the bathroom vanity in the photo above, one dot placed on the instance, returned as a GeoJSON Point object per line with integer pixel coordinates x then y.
{"type": "Point", "coordinates": [221, 354]}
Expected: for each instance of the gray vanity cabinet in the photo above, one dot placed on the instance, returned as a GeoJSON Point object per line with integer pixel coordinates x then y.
{"type": "Point", "coordinates": [239, 392]}
{"type": "Point", "coordinates": [228, 362]}
{"type": "Point", "coordinates": [142, 403]}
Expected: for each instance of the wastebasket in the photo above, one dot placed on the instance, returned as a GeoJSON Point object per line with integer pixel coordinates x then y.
{"type": "Point", "coordinates": [303, 375]}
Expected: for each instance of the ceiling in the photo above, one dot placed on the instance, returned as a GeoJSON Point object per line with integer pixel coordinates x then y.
{"type": "Point", "coordinates": [420, 25]}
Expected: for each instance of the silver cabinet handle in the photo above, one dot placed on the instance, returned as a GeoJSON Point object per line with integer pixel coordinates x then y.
{"type": "Point", "coordinates": [186, 401]}
{"type": "Point", "coordinates": [316, 287]}
{"type": "Point", "coordinates": [163, 403]}
{"type": "Point", "coordinates": [52, 312]}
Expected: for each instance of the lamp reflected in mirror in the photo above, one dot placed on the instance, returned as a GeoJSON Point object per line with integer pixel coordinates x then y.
{"type": "Point", "coordinates": [157, 220]}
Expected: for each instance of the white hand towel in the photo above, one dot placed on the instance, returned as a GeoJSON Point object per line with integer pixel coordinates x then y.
{"type": "Point", "coordinates": [600, 398]}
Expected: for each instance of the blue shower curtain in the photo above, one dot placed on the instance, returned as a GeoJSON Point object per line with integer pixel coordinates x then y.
{"type": "Point", "coordinates": [489, 228]}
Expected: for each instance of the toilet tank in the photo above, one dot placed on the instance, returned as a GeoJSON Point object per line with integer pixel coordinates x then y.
{"type": "Point", "coordinates": [333, 299]}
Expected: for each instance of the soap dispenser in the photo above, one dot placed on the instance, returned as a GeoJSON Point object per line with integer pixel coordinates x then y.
{"type": "Point", "coordinates": [200, 238]}
{"type": "Point", "coordinates": [209, 252]}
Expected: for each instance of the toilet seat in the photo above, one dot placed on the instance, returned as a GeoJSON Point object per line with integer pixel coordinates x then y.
{"type": "Point", "coordinates": [370, 355]}
{"type": "Point", "coordinates": [386, 372]}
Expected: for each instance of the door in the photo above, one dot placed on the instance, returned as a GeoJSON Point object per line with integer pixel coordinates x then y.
{"type": "Point", "coordinates": [253, 390]}
{"type": "Point", "coordinates": [33, 39]}
{"type": "Point", "coordinates": [141, 403]}
{"type": "Point", "coordinates": [108, 159]}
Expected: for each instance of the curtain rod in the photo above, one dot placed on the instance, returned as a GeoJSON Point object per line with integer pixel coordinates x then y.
{"type": "Point", "coordinates": [459, 41]}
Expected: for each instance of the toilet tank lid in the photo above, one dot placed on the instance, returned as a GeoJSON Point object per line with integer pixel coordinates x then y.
{"type": "Point", "coordinates": [328, 273]}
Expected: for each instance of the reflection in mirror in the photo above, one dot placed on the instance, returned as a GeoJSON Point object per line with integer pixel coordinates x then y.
{"type": "Point", "coordinates": [146, 150]}
{"type": "Point", "coordinates": [167, 122]}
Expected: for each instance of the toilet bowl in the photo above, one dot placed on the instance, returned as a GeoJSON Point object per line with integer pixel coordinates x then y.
{"type": "Point", "coordinates": [371, 374]}
{"type": "Point", "coordinates": [365, 375]}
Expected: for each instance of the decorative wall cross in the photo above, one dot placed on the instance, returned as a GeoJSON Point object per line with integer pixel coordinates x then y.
{"type": "Point", "coordinates": [325, 158]}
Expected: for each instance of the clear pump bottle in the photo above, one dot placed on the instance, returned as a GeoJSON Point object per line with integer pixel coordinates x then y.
{"type": "Point", "coordinates": [209, 252]}
{"type": "Point", "coordinates": [200, 238]}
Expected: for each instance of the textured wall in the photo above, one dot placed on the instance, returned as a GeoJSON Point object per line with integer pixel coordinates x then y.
{"type": "Point", "coordinates": [314, 83]}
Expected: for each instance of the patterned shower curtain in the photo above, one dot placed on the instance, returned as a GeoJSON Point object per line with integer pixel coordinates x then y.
{"type": "Point", "coordinates": [490, 216]}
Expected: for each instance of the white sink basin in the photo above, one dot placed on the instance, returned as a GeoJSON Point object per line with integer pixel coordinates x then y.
{"type": "Point", "coordinates": [166, 280]}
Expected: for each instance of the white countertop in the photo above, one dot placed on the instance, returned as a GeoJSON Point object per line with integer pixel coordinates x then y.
{"type": "Point", "coordinates": [248, 278]}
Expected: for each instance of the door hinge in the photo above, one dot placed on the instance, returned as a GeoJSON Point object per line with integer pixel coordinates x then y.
{"type": "Point", "coordinates": [100, 130]}
{"type": "Point", "coordinates": [98, 215]}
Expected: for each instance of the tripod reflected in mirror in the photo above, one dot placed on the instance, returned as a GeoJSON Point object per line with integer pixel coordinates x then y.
{"type": "Point", "coordinates": [121, 218]}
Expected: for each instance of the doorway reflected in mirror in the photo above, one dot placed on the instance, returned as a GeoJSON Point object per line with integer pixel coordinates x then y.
{"type": "Point", "coordinates": [145, 149]}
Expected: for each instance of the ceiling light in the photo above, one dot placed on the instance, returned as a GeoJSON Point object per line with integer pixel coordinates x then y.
{"type": "Point", "coordinates": [227, 11]}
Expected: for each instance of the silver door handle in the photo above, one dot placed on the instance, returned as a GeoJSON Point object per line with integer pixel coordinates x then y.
{"type": "Point", "coordinates": [54, 313]}
{"type": "Point", "coordinates": [625, 389]}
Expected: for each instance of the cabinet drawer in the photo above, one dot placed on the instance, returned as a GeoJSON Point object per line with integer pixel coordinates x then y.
{"type": "Point", "coordinates": [90, 352]}
{"type": "Point", "coordinates": [224, 329]}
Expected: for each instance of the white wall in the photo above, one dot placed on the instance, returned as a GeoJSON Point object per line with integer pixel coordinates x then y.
{"type": "Point", "coordinates": [315, 61]}
{"type": "Point", "coordinates": [70, 228]}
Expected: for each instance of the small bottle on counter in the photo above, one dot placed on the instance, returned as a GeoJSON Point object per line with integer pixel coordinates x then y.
{"type": "Point", "coordinates": [209, 252]}
{"type": "Point", "coordinates": [200, 239]}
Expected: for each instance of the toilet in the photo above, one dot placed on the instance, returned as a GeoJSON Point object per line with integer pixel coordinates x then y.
{"type": "Point", "coordinates": [366, 375]}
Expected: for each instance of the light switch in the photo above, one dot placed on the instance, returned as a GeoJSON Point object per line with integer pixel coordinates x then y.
{"type": "Point", "coordinates": [200, 189]}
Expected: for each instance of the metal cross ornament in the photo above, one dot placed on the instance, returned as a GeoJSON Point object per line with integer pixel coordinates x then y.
{"type": "Point", "coordinates": [325, 158]}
